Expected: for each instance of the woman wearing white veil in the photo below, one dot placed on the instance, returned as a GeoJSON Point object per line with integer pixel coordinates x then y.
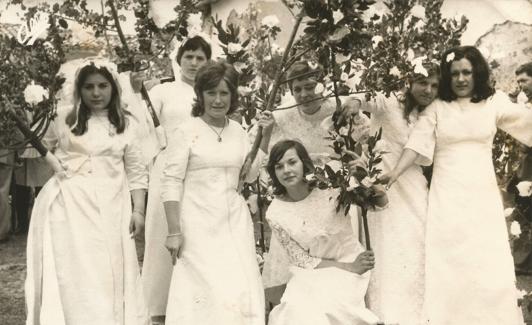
{"type": "Point", "coordinates": [81, 261]}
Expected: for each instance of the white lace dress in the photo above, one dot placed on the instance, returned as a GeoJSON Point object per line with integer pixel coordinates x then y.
{"type": "Point", "coordinates": [294, 124]}
{"type": "Point", "coordinates": [396, 288]}
{"type": "Point", "coordinates": [308, 231]}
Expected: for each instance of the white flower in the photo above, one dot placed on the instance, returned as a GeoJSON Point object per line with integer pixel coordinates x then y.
{"type": "Point", "coordinates": [418, 66]}
{"type": "Point", "coordinates": [313, 65]}
{"type": "Point", "coordinates": [260, 260]}
{"type": "Point", "coordinates": [508, 212]}
{"type": "Point", "coordinates": [270, 21]}
{"type": "Point", "coordinates": [310, 177]}
{"type": "Point", "coordinates": [418, 11]}
{"type": "Point", "coordinates": [353, 183]}
{"type": "Point", "coordinates": [380, 146]}
{"type": "Point", "coordinates": [375, 40]}
{"type": "Point", "coordinates": [335, 165]}
{"type": "Point", "coordinates": [524, 188]}
{"type": "Point", "coordinates": [343, 131]}
{"type": "Point", "coordinates": [449, 57]}
{"type": "Point", "coordinates": [252, 203]}
{"type": "Point", "coordinates": [194, 26]}
{"type": "Point", "coordinates": [239, 66]}
{"type": "Point", "coordinates": [195, 20]}
{"type": "Point", "coordinates": [244, 90]}
{"type": "Point", "coordinates": [520, 293]}
{"type": "Point", "coordinates": [367, 181]}
{"type": "Point", "coordinates": [515, 228]}
{"type": "Point", "coordinates": [344, 76]}
{"type": "Point", "coordinates": [355, 80]}
{"type": "Point", "coordinates": [337, 16]}
{"type": "Point", "coordinates": [319, 88]}
{"type": "Point", "coordinates": [34, 94]}
{"type": "Point", "coordinates": [340, 58]}
{"type": "Point", "coordinates": [394, 71]}
{"type": "Point", "coordinates": [234, 48]}
{"type": "Point", "coordinates": [419, 25]}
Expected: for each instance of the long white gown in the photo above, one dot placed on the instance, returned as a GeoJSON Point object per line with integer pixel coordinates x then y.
{"type": "Point", "coordinates": [470, 275]}
{"type": "Point", "coordinates": [173, 104]}
{"type": "Point", "coordinates": [309, 231]}
{"type": "Point", "coordinates": [82, 263]}
{"type": "Point", "coordinates": [396, 289]}
{"type": "Point", "coordinates": [216, 280]}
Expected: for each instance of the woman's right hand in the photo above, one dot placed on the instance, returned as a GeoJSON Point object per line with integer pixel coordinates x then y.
{"type": "Point", "coordinates": [174, 244]}
{"type": "Point", "coordinates": [363, 263]}
{"type": "Point", "coordinates": [389, 178]}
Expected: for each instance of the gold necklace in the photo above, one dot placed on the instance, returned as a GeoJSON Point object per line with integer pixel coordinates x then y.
{"type": "Point", "coordinates": [219, 134]}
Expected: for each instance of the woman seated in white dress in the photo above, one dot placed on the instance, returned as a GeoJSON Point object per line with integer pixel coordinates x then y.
{"type": "Point", "coordinates": [328, 266]}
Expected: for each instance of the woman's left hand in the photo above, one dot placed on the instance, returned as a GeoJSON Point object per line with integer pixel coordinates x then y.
{"type": "Point", "coordinates": [136, 225]}
{"type": "Point", "coordinates": [266, 121]}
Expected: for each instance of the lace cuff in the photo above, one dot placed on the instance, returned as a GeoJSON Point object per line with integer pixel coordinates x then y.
{"type": "Point", "coordinates": [297, 254]}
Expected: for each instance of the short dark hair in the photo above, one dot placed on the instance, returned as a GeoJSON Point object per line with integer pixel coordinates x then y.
{"type": "Point", "coordinates": [277, 152]}
{"type": "Point", "coordinates": [481, 73]}
{"type": "Point", "coordinates": [192, 44]}
{"type": "Point", "coordinates": [208, 77]}
{"type": "Point", "coordinates": [524, 68]}
{"type": "Point", "coordinates": [303, 69]}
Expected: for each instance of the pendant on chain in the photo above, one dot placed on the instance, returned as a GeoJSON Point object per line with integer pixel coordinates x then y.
{"type": "Point", "coordinates": [219, 139]}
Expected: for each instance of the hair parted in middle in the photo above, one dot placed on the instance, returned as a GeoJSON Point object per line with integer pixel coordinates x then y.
{"type": "Point", "coordinates": [483, 88]}
{"type": "Point", "coordinates": [277, 152]}
{"type": "Point", "coordinates": [208, 77]}
{"type": "Point", "coordinates": [77, 118]}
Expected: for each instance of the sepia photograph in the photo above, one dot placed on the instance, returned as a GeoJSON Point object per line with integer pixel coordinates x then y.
{"type": "Point", "coordinates": [265, 162]}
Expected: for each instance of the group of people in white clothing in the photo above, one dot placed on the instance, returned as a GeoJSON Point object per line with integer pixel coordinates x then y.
{"type": "Point", "coordinates": [441, 253]}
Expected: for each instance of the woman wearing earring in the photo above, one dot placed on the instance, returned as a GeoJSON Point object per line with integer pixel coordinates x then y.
{"type": "Point", "coordinates": [216, 278]}
{"type": "Point", "coordinates": [469, 269]}
{"type": "Point", "coordinates": [81, 258]}
{"type": "Point", "coordinates": [172, 102]}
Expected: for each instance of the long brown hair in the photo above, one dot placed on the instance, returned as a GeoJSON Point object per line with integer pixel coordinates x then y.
{"type": "Point", "coordinates": [78, 117]}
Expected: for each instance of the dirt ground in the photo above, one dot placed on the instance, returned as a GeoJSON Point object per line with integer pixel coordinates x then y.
{"type": "Point", "coordinates": [13, 272]}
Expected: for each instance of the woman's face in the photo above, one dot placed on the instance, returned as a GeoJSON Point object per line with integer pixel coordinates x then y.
{"type": "Point", "coordinates": [304, 91]}
{"type": "Point", "coordinates": [190, 63]}
{"type": "Point", "coordinates": [96, 92]}
{"type": "Point", "coordinates": [217, 101]}
{"type": "Point", "coordinates": [425, 90]}
{"type": "Point", "coordinates": [289, 169]}
{"type": "Point", "coordinates": [462, 83]}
